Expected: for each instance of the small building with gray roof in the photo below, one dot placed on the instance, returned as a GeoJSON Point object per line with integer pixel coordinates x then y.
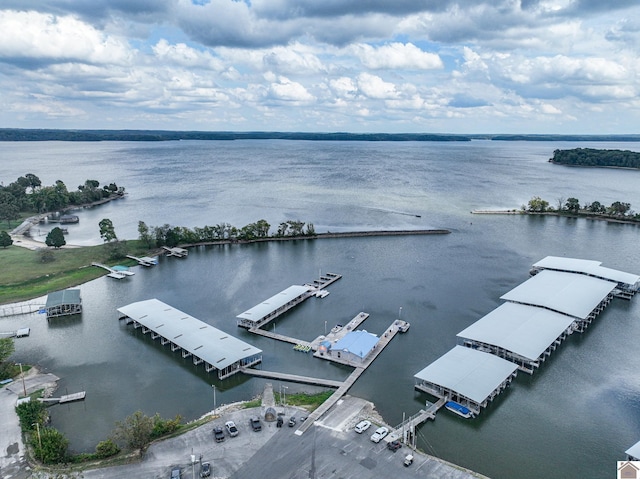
{"type": "Point", "coordinates": [63, 303]}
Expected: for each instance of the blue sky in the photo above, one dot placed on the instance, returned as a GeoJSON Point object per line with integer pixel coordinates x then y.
{"type": "Point", "coordinates": [466, 66]}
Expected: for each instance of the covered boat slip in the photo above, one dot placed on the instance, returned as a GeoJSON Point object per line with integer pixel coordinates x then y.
{"type": "Point", "coordinates": [580, 296]}
{"type": "Point", "coordinates": [467, 376]}
{"type": "Point", "coordinates": [277, 304]}
{"type": "Point", "coordinates": [525, 335]}
{"type": "Point", "coordinates": [633, 453]}
{"type": "Point", "coordinates": [627, 284]}
{"type": "Point", "coordinates": [63, 303]}
{"type": "Point", "coordinates": [206, 344]}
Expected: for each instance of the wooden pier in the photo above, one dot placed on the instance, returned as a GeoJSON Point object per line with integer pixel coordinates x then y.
{"type": "Point", "coordinates": [294, 378]}
{"type": "Point", "coordinates": [406, 431]}
{"type": "Point", "coordinates": [280, 337]}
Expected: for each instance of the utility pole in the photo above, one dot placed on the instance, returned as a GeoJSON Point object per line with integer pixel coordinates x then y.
{"type": "Point", "coordinates": [214, 398]}
{"type": "Point", "coordinates": [24, 388]}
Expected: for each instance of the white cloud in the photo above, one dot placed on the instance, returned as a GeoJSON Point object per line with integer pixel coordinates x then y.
{"type": "Point", "coordinates": [38, 36]}
{"type": "Point", "coordinates": [397, 56]}
{"type": "Point", "coordinates": [375, 87]}
{"type": "Point", "coordinates": [182, 55]}
{"type": "Point", "coordinates": [288, 90]}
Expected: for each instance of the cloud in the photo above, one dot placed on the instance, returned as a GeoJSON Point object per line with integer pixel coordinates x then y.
{"type": "Point", "coordinates": [33, 37]}
{"type": "Point", "coordinates": [286, 90]}
{"type": "Point", "coordinates": [397, 56]}
{"type": "Point", "coordinates": [375, 87]}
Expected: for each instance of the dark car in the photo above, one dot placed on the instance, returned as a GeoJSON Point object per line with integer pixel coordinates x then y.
{"type": "Point", "coordinates": [205, 469]}
{"type": "Point", "coordinates": [175, 473]}
{"type": "Point", "coordinates": [218, 434]}
{"type": "Point", "coordinates": [255, 423]}
{"type": "Point", "coordinates": [279, 422]}
{"type": "Point", "coordinates": [394, 445]}
{"type": "Point", "coordinates": [292, 421]}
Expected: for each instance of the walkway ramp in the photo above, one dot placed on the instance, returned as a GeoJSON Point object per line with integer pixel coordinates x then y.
{"type": "Point", "coordinates": [294, 378]}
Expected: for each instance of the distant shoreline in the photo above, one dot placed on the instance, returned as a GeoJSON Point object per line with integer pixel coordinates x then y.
{"type": "Point", "coordinates": [555, 213]}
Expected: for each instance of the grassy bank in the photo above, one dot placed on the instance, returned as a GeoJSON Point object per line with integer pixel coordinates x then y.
{"type": "Point", "coordinates": [25, 276]}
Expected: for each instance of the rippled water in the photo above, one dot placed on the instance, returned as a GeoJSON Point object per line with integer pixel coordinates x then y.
{"type": "Point", "coordinates": [573, 418]}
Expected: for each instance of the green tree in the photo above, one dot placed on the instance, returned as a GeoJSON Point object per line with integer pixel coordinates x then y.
{"type": "Point", "coordinates": [135, 431]}
{"type": "Point", "coordinates": [9, 212]}
{"type": "Point", "coordinates": [107, 231]}
{"type": "Point", "coordinates": [537, 205]}
{"type": "Point", "coordinates": [55, 238]}
{"type": "Point", "coordinates": [106, 449]}
{"type": "Point", "coordinates": [5, 239]}
{"type": "Point", "coordinates": [145, 234]}
{"type": "Point", "coordinates": [31, 413]}
{"type": "Point", "coordinates": [311, 230]}
{"type": "Point", "coordinates": [50, 445]}
{"type": "Point", "coordinates": [572, 205]}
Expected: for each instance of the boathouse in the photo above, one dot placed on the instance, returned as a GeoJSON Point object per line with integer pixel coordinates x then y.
{"type": "Point", "coordinates": [63, 303]}
{"type": "Point", "coordinates": [354, 347]}
{"type": "Point", "coordinates": [525, 335]}
{"type": "Point", "coordinates": [633, 453]}
{"type": "Point", "coordinates": [207, 345]}
{"type": "Point", "coordinates": [467, 376]}
{"type": "Point", "coordinates": [274, 306]}
{"type": "Point", "coordinates": [627, 284]}
{"type": "Point", "coordinates": [580, 296]}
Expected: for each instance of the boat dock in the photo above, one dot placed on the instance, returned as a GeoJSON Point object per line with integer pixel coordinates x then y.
{"type": "Point", "coordinates": [114, 273]}
{"type": "Point", "coordinates": [279, 337]}
{"type": "Point", "coordinates": [406, 431]}
{"type": "Point", "coordinates": [19, 333]}
{"type": "Point", "coordinates": [66, 398]}
{"type": "Point", "coordinates": [177, 252]}
{"type": "Point", "coordinates": [144, 261]}
{"type": "Point", "coordinates": [294, 378]}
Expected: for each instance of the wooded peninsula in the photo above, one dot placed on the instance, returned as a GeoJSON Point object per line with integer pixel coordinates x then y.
{"type": "Point", "coordinates": [597, 158]}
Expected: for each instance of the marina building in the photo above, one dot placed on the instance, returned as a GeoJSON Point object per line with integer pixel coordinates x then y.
{"type": "Point", "coordinates": [207, 345]}
{"type": "Point", "coordinates": [277, 304]}
{"type": "Point", "coordinates": [627, 284]}
{"type": "Point", "coordinates": [467, 376]}
{"type": "Point", "coordinates": [523, 334]}
{"type": "Point", "coordinates": [63, 303]}
{"type": "Point", "coordinates": [579, 296]}
{"type": "Point", "coordinates": [354, 347]}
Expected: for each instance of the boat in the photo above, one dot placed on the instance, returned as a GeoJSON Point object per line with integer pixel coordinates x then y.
{"type": "Point", "coordinates": [459, 409]}
{"type": "Point", "coordinates": [322, 293]}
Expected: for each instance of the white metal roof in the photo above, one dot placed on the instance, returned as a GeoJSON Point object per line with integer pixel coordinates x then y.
{"type": "Point", "coordinates": [585, 266]}
{"type": "Point", "coordinates": [469, 372]}
{"type": "Point", "coordinates": [202, 340]}
{"type": "Point", "coordinates": [568, 293]}
{"type": "Point", "coordinates": [634, 451]}
{"type": "Point", "coordinates": [273, 303]}
{"type": "Point", "coordinates": [524, 330]}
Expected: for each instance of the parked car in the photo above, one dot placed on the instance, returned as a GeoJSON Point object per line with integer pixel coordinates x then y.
{"type": "Point", "coordinates": [218, 434]}
{"type": "Point", "coordinates": [255, 423]}
{"type": "Point", "coordinates": [408, 460]}
{"type": "Point", "coordinates": [231, 428]}
{"type": "Point", "coordinates": [279, 421]}
{"type": "Point", "coordinates": [380, 433]}
{"type": "Point", "coordinates": [362, 426]}
{"type": "Point", "coordinates": [292, 421]}
{"type": "Point", "coordinates": [394, 445]}
{"type": "Point", "coordinates": [175, 473]}
{"type": "Point", "coordinates": [205, 469]}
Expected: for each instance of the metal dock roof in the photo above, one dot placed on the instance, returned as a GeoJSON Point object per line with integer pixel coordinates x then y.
{"type": "Point", "coordinates": [521, 329]}
{"type": "Point", "coordinates": [468, 372]}
{"type": "Point", "coordinates": [359, 343]}
{"type": "Point", "coordinates": [68, 296]}
{"type": "Point", "coordinates": [634, 451]}
{"type": "Point", "coordinates": [274, 303]}
{"type": "Point", "coordinates": [200, 339]}
{"type": "Point", "coordinates": [569, 293]}
{"type": "Point", "coordinates": [589, 267]}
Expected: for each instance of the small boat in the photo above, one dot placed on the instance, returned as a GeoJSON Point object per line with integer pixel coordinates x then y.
{"type": "Point", "coordinates": [459, 409]}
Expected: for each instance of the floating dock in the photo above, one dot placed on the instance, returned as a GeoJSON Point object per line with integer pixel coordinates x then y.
{"type": "Point", "coordinates": [19, 333]}
{"type": "Point", "coordinates": [177, 252]}
{"type": "Point", "coordinates": [294, 378]}
{"type": "Point", "coordinates": [144, 261]}
{"type": "Point", "coordinates": [66, 398]}
{"type": "Point", "coordinates": [115, 272]}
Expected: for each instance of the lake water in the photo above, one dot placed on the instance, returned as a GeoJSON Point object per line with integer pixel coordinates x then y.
{"type": "Point", "coordinates": [574, 418]}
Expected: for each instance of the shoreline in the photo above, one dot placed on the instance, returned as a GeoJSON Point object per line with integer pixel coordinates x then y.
{"type": "Point", "coordinates": [585, 216]}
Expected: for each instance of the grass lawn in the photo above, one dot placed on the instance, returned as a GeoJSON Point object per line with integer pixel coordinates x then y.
{"type": "Point", "coordinates": [24, 275]}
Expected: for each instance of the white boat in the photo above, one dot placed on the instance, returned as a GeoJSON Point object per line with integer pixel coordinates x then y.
{"type": "Point", "coordinates": [459, 409]}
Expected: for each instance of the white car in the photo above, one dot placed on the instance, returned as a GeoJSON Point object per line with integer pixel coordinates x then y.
{"type": "Point", "coordinates": [231, 428]}
{"type": "Point", "coordinates": [380, 433]}
{"type": "Point", "coordinates": [362, 426]}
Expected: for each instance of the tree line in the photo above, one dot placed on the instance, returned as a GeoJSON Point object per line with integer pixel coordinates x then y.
{"type": "Point", "coordinates": [596, 157]}
{"type": "Point", "coordinates": [617, 209]}
{"type": "Point", "coordinates": [167, 235]}
{"type": "Point", "coordinates": [28, 195]}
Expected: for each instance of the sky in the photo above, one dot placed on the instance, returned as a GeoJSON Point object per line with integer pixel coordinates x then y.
{"type": "Point", "coordinates": [427, 66]}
